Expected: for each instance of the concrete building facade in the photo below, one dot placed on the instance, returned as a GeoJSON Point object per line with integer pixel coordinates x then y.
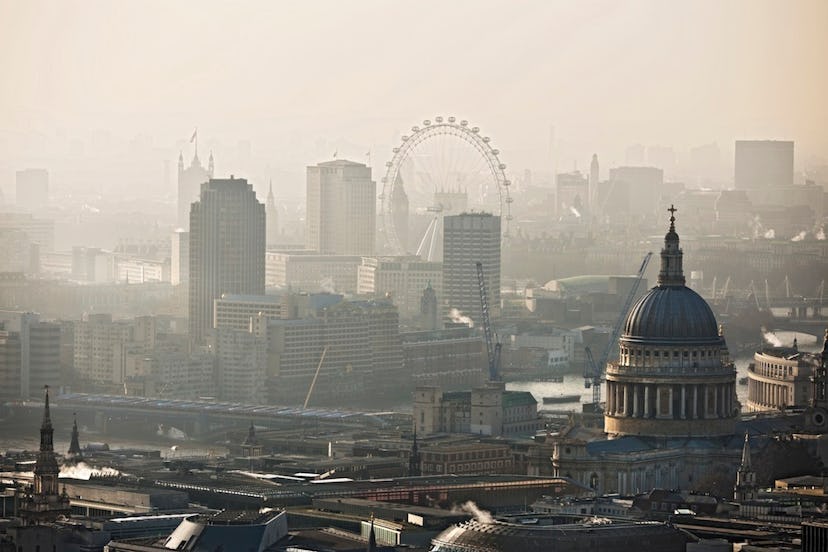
{"type": "Point", "coordinates": [469, 238]}
{"type": "Point", "coordinates": [227, 248]}
{"type": "Point", "coordinates": [341, 208]}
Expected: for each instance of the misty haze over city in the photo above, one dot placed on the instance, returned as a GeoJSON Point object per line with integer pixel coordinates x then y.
{"type": "Point", "coordinates": [439, 276]}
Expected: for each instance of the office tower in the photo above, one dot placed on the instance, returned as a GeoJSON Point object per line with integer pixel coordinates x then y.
{"type": "Point", "coordinates": [236, 311]}
{"type": "Point", "coordinates": [32, 187]}
{"type": "Point", "coordinates": [470, 238]}
{"type": "Point", "coordinates": [189, 185]}
{"type": "Point", "coordinates": [227, 248]}
{"type": "Point", "coordinates": [100, 344]}
{"type": "Point", "coordinates": [272, 216]}
{"type": "Point", "coordinates": [180, 258]}
{"type": "Point", "coordinates": [242, 365]}
{"type": "Point", "coordinates": [342, 208]}
{"type": "Point", "coordinates": [763, 164]}
{"type": "Point", "coordinates": [37, 345]}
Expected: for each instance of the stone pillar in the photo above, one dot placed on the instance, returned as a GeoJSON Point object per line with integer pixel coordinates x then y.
{"type": "Point", "coordinates": [671, 412]}
{"type": "Point", "coordinates": [647, 409]}
{"type": "Point", "coordinates": [683, 402]}
{"type": "Point", "coordinates": [609, 398]}
{"type": "Point", "coordinates": [696, 401]}
{"type": "Point", "coordinates": [716, 401]}
{"type": "Point", "coordinates": [705, 403]}
{"type": "Point", "coordinates": [627, 409]}
{"type": "Point", "coordinates": [636, 411]}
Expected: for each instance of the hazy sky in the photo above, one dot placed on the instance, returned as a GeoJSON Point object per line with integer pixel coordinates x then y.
{"type": "Point", "coordinates": [283, 74]}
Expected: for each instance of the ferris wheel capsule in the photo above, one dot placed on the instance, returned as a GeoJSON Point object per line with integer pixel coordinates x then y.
{"type": "Point", "coordinates": [438, 119]}
{"type": "Point", "coordinates": [510, 199]}
{"type": "Point", "coordinates": [507, 182]}
{"type": "Point", "coordinates": [475, 129]}
{"type": "Point", "coordinates": [486, 139]}
{"type": "Point", "coordinates": [464, 123]}
{"type": "Point", "coordinates": [415, 129]}
{"type": "Point", "coordinates": [388, 163]}
{"type": "Point", "coordinates": [426, 123]}
{"type": "Point", "coordinates": [495, 151]}
{"type": "Point", "coordinates": [451, 119]}
{"type": "Point", "coordinates": [404, 138]}
{"type": "Point", "coordinates": [396, 150]}
{"type": "Point", "coordinates": [502, 166]}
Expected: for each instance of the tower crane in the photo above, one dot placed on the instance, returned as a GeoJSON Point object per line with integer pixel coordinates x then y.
{"type": "Point", "coordinates": [492, 348]}
{"type": "Point", "coordinates": [594, 371]}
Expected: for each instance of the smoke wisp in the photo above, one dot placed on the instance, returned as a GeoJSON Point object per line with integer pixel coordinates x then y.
{"type": "Point", "coordinates": [469, 507]}
{"type": "Point", "coordinates": [458, 317]}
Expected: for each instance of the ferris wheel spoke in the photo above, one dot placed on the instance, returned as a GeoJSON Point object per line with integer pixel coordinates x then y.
{"type": "Point", "coordinates": [450, 156]}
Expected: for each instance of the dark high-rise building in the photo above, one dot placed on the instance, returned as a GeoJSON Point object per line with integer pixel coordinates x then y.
{"type": "Point", "coordinates": [342, 208]}
{"type": "Point", "coordinates": [189, 185]}
{"type": "Point", "coordinates": [470, 238]}
{"type": "Point", "coordinates": [32, 188]}
{"type": "Point", "coordinates": [763, 164]}
{"type": "Point", "coordinates": [227, 248]}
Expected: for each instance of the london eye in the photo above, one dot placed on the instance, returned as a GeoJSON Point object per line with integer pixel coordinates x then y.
{"type": "Point", "coordinates": [446, 166]}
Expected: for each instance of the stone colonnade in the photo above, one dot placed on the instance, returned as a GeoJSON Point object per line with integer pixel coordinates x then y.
{"type": "Point", "coordinates": [680, 401]}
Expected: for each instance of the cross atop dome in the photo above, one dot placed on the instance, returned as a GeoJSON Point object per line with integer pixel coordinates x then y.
{"type": "Point", "coordinates": [671, 273]}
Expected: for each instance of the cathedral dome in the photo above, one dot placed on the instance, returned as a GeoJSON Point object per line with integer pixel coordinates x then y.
{"type": "Point", "coordinates": [671, 313]}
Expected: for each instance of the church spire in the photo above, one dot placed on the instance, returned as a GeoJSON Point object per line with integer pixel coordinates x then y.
{"type": "Point", "coordinates": [211, 167]}
{"type": "Point", "coordinates": [74, 445]}
{"type": "Point", "coordinates": [745, 489]}
{"type": "Point", "coordinates": [671, 273]}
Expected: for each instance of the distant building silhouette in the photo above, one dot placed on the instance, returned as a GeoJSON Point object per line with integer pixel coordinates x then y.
{"type": "Point", "coordinates": [470, 238]}
{"type": "Point", "coordinates": [189, 185]}
{"type": "Point", "coordinates": [32, 187]}
{"type": "Point", "coordinates": [763, 164]}
{"type": "Point", "coordinates": [429, 313]}
{"type": "Point", "coordinates": [180, 257]}
{"type": "Point", "coordinates": [399, 200]}
{"type": "Point", "coordinates": [227, 248]}
{"type": "Point", "coordinates": [594, 178]}
{"type": "Point", "coordinates": [272, 216]}
{"type": "Point", "coordinates": [341, 208]}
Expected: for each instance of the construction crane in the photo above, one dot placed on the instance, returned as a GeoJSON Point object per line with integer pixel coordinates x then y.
{"type": "Point", "coordinates": [316, 375]}
{"type": "Point", "coordinates": [492, 348]}
{"type": "Point", "coordinates": [594, 372]}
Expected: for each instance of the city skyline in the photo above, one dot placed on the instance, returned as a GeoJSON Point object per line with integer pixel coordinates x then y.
{"type": "Point", "coordinates": [742, 70]}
